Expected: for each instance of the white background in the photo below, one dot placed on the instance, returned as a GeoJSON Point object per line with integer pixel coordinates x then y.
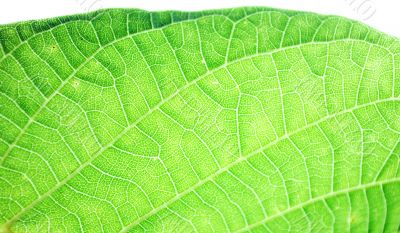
{"type": "Point", "coordinates": [381, 14]}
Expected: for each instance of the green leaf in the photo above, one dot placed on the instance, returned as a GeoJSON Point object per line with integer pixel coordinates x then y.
{"type": "Point", "coordinates": [248, 119]}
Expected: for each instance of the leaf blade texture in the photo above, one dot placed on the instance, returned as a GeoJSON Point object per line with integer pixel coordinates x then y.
{"type": "Point", "coordinates": [236, 120]}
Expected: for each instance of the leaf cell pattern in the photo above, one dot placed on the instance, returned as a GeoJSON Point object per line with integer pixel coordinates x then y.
{"type": "Point", "coordinates": [237, 120]}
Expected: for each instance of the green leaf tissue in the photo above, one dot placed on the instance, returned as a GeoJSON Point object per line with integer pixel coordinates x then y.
{"type": "Point", "coordinates": [235, 120]}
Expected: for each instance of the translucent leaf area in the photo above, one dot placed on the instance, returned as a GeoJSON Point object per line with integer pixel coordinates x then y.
{"type": "Point", "coordinates": [236, 120]}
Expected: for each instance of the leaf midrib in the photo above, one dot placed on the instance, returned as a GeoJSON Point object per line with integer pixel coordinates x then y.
{"type": "Point", "coordinates": [156, 107]}
{"type": "Point", "coordinates": [111, 43]}
{"type": "Point", "coordinates": [76, 70]}
{"type": "Point", "coordinates": [199, 184]}
{"type": "Point", "coordinates": [255, 152]}
{"type": "Point", "coordinates": [47, 101]}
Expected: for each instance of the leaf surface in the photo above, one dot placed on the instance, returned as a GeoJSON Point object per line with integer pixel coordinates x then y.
{"type": "Point", "coordinates": [236, 120]}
